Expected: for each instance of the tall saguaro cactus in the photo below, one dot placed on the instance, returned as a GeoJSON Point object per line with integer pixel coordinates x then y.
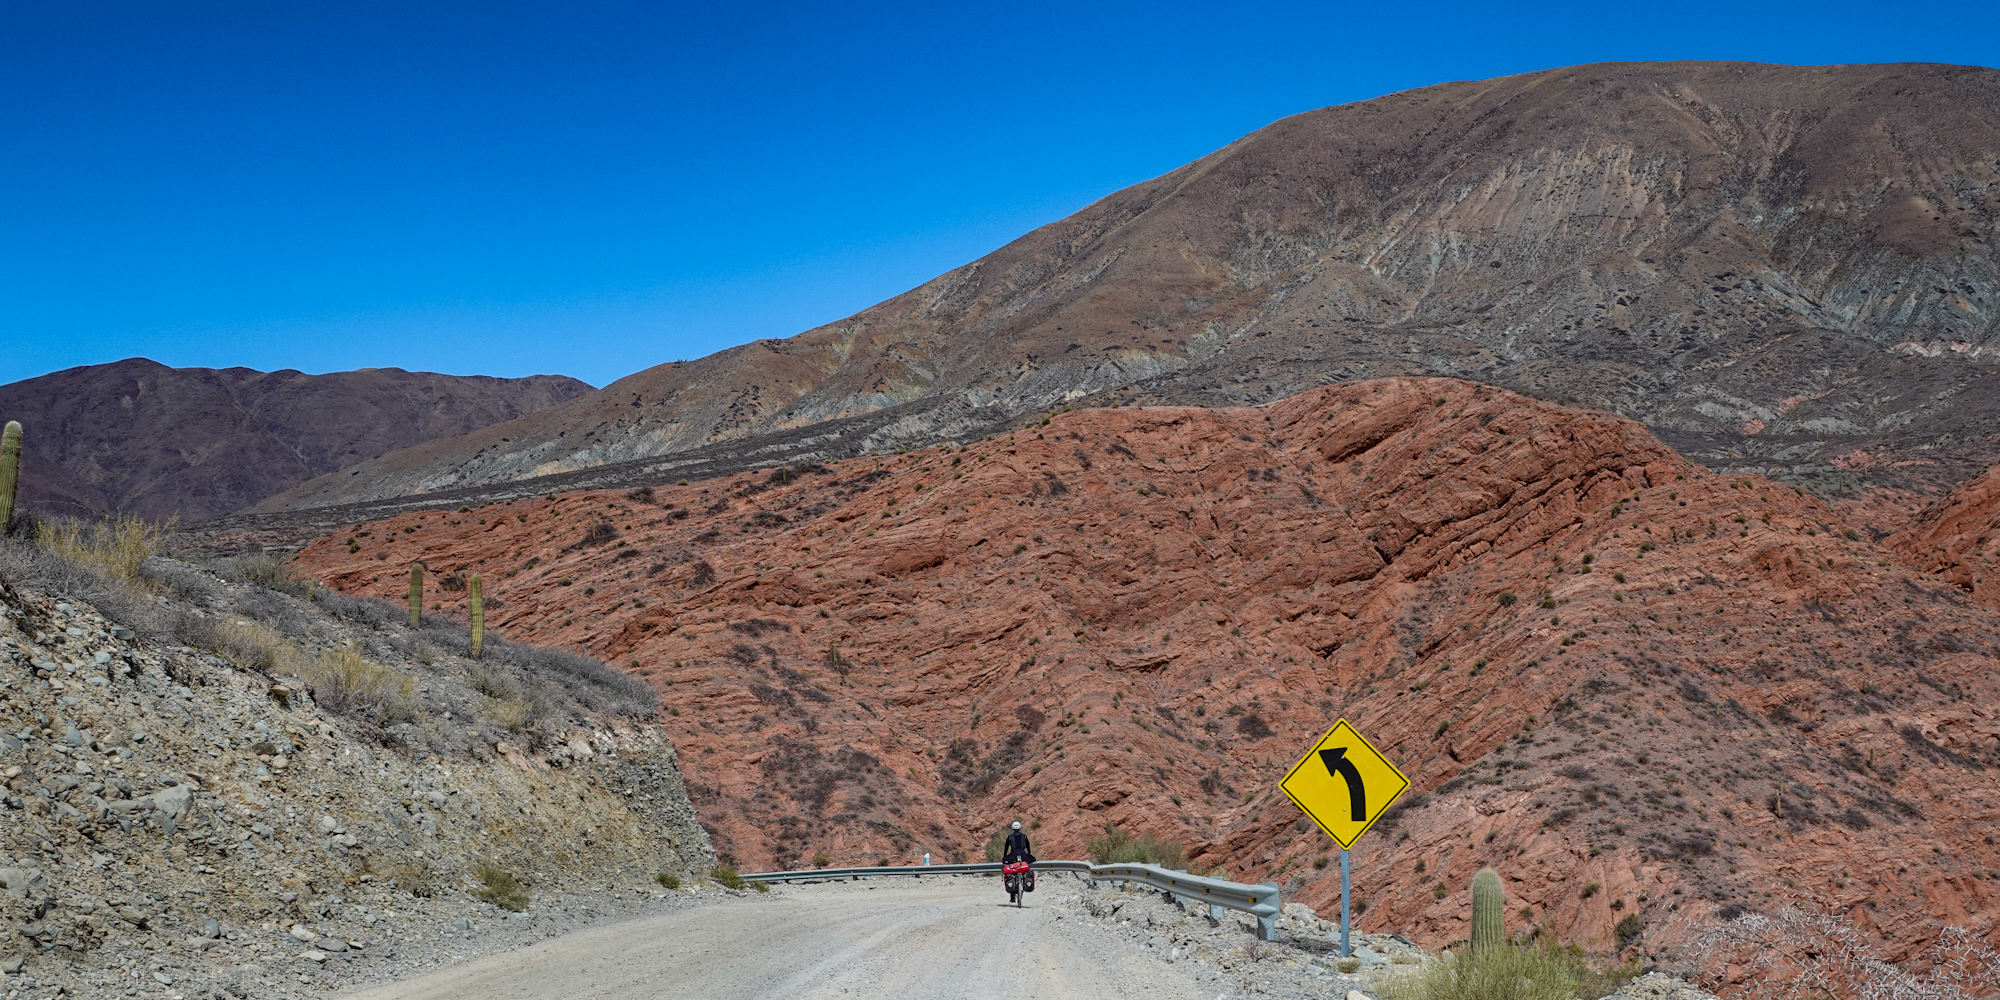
{"type": "Point", "coordinates": [10, 471]}
{"type": "Point", "coordinates": [417, 594]}
{"type": "Point", "coordinates": [1489, 910]}
{"type": "Point", "coordinates": [478, 616]}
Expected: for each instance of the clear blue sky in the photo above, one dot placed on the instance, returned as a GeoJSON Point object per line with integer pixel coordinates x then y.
{"type": "Point", "coordinates": [594, 188]}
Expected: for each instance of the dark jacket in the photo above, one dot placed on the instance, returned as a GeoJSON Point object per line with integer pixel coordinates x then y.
{"type": "Point", "coordinates": [1017, 848]}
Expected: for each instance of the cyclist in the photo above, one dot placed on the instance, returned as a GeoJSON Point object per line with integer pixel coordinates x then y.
{"type": "Point", "coordinates": [1017, 850]}
{"type": "Point", "coordinates": [1017, 846]}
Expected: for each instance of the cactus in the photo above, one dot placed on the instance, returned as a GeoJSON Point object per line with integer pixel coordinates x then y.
{"type": "Point", "coordinates": [10, 471]}
{"type": "Point", "coordinates": [478, 616]}
{"type": "Point", "coordinates": [1489, 910]}
{"type": "Point", "coordinates": [417, 594]}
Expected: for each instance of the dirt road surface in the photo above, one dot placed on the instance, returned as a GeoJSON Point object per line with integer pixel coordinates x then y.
{"type": "Point", "coordinates": [934, 938]}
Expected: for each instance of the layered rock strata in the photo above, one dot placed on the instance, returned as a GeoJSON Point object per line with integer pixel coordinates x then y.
{"type": "Point", "coordinates": [1642, 691]}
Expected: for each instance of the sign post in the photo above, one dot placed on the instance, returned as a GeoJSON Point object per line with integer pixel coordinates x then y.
{"type": "Point", "coordinates": [1345, 785]}
{"type": "Point", "coordinates": [1346, 912]}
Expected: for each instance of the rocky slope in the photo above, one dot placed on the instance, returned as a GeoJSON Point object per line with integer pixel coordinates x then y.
{"type": "Point", "coordinates": [1303, 962]}
{"type": "Point", "coordinates": [1641, 690]}
{"type": "Point", "coordinates": [183, 823]}
{"type": "Point", "coordinates": [1773, 267]}
{"type": "Point", "coordinates": [193, 443]}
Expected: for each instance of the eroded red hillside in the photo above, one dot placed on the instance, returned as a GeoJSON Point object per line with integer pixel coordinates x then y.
{"type": "Point", "coordinates": [1955, 537]}
{"type": "Point", "coordinates": [1630, 685]}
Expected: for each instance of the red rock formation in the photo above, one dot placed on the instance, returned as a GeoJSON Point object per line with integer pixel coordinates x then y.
{"type": "Point", "coordinates": [1955, 538]}
{"type": "Point", "coordinates": [1630, 685]}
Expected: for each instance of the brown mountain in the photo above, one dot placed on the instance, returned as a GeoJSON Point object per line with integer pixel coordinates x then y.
{"type": "Point", "coordinates": [1633, 686]}
{"type": "Point", "coordinates": [1770, 266]}
{"type": "Point", "coordinates": [139, 437]}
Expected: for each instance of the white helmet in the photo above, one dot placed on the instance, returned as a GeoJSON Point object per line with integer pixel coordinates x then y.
{"type": "Point", "coordinates": [1017, 824]}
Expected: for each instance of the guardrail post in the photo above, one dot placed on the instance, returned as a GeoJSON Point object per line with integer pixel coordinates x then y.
{"type": "Point", "coordinates": [1267, 927]}
{"type": "Point", "coordinates": [1214, 912]}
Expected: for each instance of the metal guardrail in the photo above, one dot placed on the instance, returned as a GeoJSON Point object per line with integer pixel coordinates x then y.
{"type": "Point", "coordinates": [1260, 901]}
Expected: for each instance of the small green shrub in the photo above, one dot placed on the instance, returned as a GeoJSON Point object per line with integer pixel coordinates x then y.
{"type": "Point", "coordinates": [668, 879]}
{"type": "Point", "coordinates": [499, 887]}
{"type": "Point", "coordinates": [1630, 930]}
{"type": "Point", "coordinates": [1506, 972]}
{"type": "Point", "coordinates": [1118, 846]}
{"type": "Point", "coordinates": [728, 877]}
{"type": "Point", "coordinates": [490, 684]}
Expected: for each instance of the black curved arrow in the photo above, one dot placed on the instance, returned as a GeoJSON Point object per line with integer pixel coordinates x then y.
{"type": "Point", "coordinates": [1357, 797]}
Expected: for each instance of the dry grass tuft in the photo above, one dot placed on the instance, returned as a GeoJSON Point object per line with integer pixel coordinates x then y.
{"type": "Point", "coordinates": [511, 714]}
{"type": "Point", "coordinates": [344, 681]}
{"type": "Point", "coordinates": [250, 645]}
{"type": "Point", "coordinates": [499, 887]}
{"type": "Point", "coordinates": [505, 705]}
{"type": "Point", "coordinates": [267, 571]}
{"type": "Point", "coordinates": [115, 548]}
{"type": "Point", "coordinates": [413, 877]}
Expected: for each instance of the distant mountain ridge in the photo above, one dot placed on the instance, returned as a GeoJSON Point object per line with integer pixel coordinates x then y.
{"type": "Point", "coordinates": [1768, 265]}
{"type": "Point", "coordinates": [193, 443]}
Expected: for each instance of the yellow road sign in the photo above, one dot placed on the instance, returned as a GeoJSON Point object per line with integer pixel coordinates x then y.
{"type": "Point", "coordinates": [1344, 783]}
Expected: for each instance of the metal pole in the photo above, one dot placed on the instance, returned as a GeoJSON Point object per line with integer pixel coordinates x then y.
{"type": "Point", "coordinates": [1345, 912]}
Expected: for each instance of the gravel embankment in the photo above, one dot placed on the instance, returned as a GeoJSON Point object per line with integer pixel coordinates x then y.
{"type": "Point", "coordinates": [176, 823]}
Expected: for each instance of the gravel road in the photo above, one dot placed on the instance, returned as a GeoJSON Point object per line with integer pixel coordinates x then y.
{"type": "Point", "coordinates": [939, 937]}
